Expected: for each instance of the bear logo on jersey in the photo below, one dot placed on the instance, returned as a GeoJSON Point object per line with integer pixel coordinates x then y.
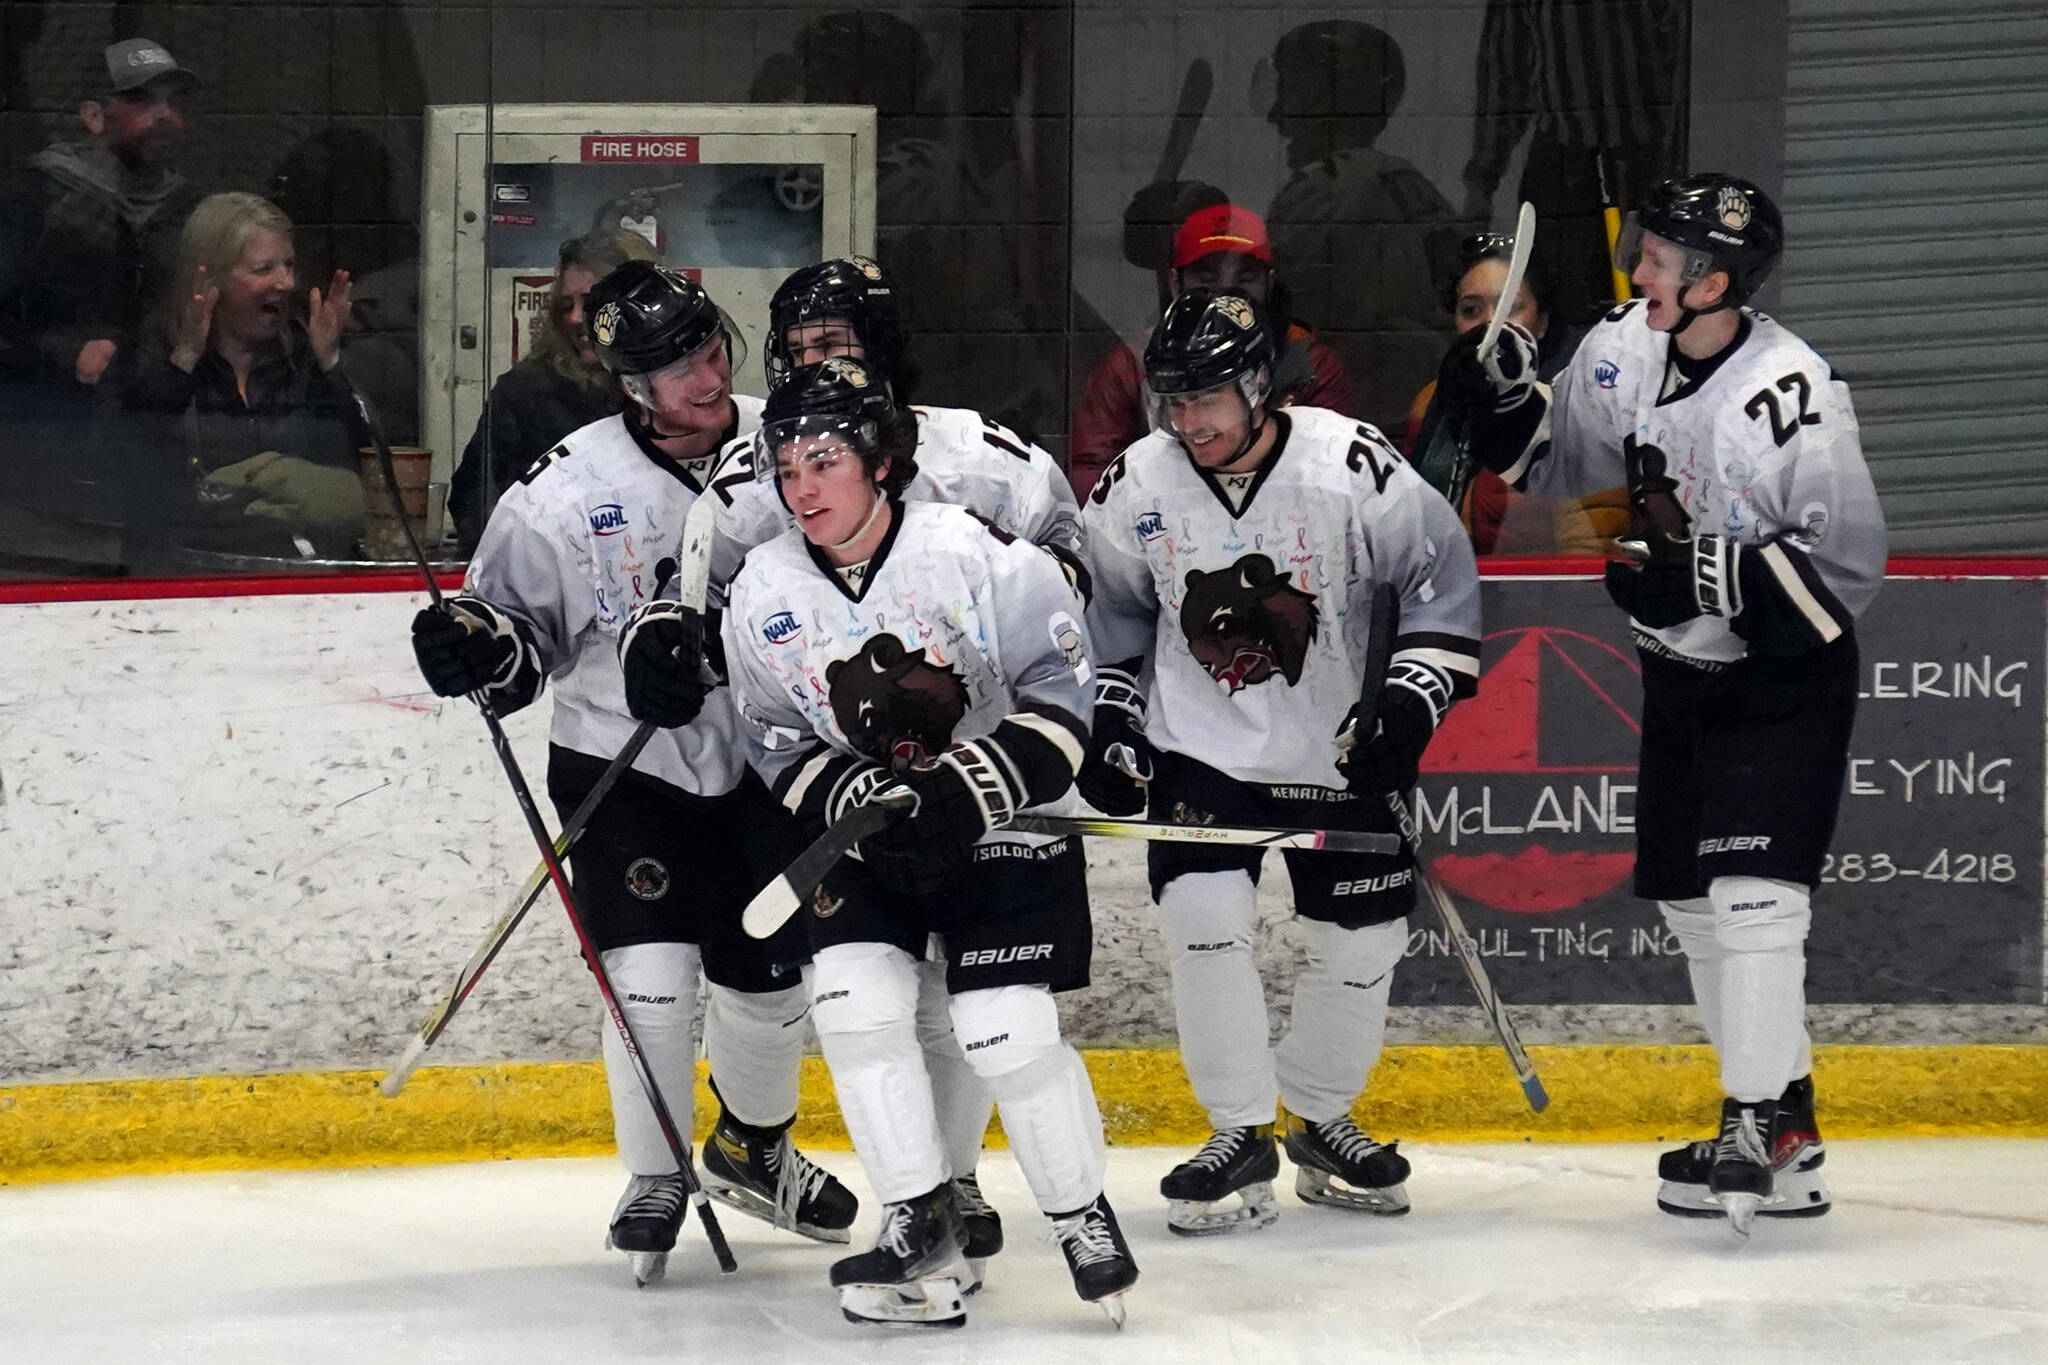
{"type": "Point", "coordinates": [1733, 207]}
{"type": "Point", "coordinates": [605, 326]}
{"type": "Point", "coordinates": [1246, 622]}
{"type": "Point", "coordinates": [893, 704]}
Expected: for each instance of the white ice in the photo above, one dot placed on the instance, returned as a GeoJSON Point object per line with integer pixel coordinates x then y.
{"type": "Point", "coordinates": [1937, 1250]}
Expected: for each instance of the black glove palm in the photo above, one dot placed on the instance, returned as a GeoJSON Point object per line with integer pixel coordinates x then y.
{"type": "Point", "coordinates": [1389, 761]}
{"type": "Point", "coordinates": [661, 652]}
{"type": "Point", "coordinates": [959, 799]}
{"type": "Point", "coordinates": [1658, 594]}
{"type": "Point", "coordinates": [464, 645]}
{"type": "Point", "coordinates": [1497, 402]}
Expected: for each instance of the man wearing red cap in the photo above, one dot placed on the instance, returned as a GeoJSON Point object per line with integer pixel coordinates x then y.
{"type": "Point", "coordinates": [1224, 247]}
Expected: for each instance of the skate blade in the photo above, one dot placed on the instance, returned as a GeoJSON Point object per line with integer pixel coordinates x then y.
{"type": "Point", "coordinates": [932, 1302]}
{"type": "Point", "coordinates": [649, 1267]}
{"type": "Point", "coordinates": [977, 1271]}
{"type": "Point", "coordinates": [1313, 1186]}
{"type": "Point", "coordinates": [1741, 1210]}
{"type": "Point", "coordinates": [741, 1199]}
{"type": "Point", "coordinates": [1794, 1194]}
{"type": "Point", "coordinates": [1198, 1218]}
{"type": "Point", "coordinates": [1112, 1306]}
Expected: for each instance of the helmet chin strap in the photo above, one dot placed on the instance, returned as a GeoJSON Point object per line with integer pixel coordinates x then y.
{"type": "Point", "coordinates": [881, 501]}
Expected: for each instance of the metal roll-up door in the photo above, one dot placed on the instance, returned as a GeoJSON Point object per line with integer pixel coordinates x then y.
{"type": "Point", "coordinates": [1916, 206]}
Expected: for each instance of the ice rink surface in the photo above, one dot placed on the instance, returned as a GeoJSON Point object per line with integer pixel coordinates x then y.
{"type": "Point", "coordinates": [1937, 1250]}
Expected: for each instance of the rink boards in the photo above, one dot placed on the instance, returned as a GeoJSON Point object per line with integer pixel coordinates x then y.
{"type": "Point", "coordinates": [244, 845]}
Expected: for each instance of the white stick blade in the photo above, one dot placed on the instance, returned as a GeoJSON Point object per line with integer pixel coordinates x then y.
{"type": "Point", "coordinates": [770, 908]}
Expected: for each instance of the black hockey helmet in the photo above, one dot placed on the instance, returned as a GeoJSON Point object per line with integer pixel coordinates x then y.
{"type": "Point", "coordinates": [852, 288]}
{"type": "Point", "coordinates": [645, 317]}
{"type": "Point", "coordinates": [1722, 221]}
{"type": "Point", "coordinates": [1209, 338]}
{"type": "Point", "coordinates": [842, 398]}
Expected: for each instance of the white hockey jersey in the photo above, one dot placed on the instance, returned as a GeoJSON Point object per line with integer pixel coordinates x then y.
{"type": "Point", "coordinates": [962, 457]}
{"type": "Point", "coordinates": [1254, 619]}
{"type": "Point", "coordinates": [1764, 449]}
{"type": "Point", "coordinates": [571, 550]}
{"type": "Point", "coordinates": [955, 627]}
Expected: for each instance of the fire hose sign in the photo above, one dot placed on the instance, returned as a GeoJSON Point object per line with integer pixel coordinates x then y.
{"type": "Point", "coordinates": [1932, 893]}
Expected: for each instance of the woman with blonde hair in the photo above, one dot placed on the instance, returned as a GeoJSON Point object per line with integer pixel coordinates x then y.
{"type": "Point", "coordinates": [238, 420]}
{"type": "Point", "coordinates": [556, 387]}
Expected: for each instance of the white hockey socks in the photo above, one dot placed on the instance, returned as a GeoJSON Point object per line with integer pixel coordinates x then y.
{"type": "Point", "coordinates": [1761, 926]}
{"type": "Point", "coordinates": [656, 984]}
{"type": "Point", "coordinates": [1340, 1016]}
{"type": "Point", "coordinates": [1692, 923]}
{"type": "Point", "coordinates": [1012, 1033]}
{"type": "Point", "coordinates": [959, 1094]}
{"type": "Point", "coordinates": [1219, 1004]}
{"type": "Point", "coordinates": [756, 1045]}
{"type": "Point", "coordinates": [864, 1005]}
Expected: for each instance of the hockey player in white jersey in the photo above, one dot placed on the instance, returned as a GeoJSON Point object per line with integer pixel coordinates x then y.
{"type": "Point", "coordinates": [847, 308]}
{"type": "Point", "coordinates": [889, 645]}
{"type": "Point", "coordinates": [1759, 541]}
{"type": "Point", "coordinates": [1235, 552]}
{"type": "Point", "coordinates": [672, 854]}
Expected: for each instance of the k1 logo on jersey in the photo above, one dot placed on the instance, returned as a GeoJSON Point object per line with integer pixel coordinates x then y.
{"type": "Point", "coordinates": [1607, 374]}
{"type": "Point", "coordinates": [607, 520]}
{"type": "Point", "coordinates": [1150, 527]}
{"type": "Point", "coordinates": [782, 626]}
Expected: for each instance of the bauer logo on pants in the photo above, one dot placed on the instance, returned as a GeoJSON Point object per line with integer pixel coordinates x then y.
{"type": "Point", "coordinates": [647, 879]}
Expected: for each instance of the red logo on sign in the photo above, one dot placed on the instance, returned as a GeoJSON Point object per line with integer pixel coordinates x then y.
{"type": "Point", "coordinates": [639, 147]}
{"type": "Point", "coordinates": [1570, 681]}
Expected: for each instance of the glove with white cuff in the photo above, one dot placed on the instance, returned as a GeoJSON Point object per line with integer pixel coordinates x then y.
{"type": "Point", "coordinates": [1412, 705]}
{"type": "Point", "coordinates": [466, 645]}
{"type": "Point", "coordinates": [1119, 760]}
{"type": "Point", "coordinates": [1498, 400]}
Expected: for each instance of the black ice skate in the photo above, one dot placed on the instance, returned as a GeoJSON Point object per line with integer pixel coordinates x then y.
{"type": "Point", "coordinates": [1239, 1161]}
{"type": "Point", "coordinates": [1097, 1255]}
{"type": "Point", "coordinates": [1740, 1178]}
{"type": "Point", "coordinates": [913, 1277]}
{"type": "Point", "coordinates": [760, 1172]}
{"type": "Point", "coordinates": [645, 1222]}
{"type": "Point", "coordinates": [1798, 1189]}
{"type": "Point", "coordinates": [1338, 1165]}
{"type": "Point", "coordinates": [983, 1227]}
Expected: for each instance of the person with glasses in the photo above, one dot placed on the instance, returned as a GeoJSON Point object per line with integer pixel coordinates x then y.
{"type": "Point", "coordinates": [671, 856]}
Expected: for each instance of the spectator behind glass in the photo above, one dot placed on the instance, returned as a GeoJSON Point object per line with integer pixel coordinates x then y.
{"type": "Point", "coordinates": [1216, 248]}
{"type": "Point", "coordinates": [88, 230]}
{"type": "Point", "coordinates": [556, 387]}
{"type": "Point", "coordinates": [236, 426]}
{"type": "Point", "coordinates": [1500, 520]}
{"type": "Point", "coordinates": [1354, 227]}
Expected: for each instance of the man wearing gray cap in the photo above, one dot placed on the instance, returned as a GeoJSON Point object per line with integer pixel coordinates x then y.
{"type": "Point", "coordinates": [88, 231]}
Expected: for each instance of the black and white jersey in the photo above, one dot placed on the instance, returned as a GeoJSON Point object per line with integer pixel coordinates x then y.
{"type": "Point", "coordinates": [1249, 596]}
{"type": "Point", "coordinates": [954, 630]}
{"type": "Point", "coordinates": [1762, 445]}
{"type": "Point", "coordinates": [571, 550]}
{"type": "Point", "coordinates": [963, 458]}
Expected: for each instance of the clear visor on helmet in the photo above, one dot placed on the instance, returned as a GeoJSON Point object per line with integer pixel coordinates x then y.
{"type": "Point", "coordinates": [1252, 387]}
{"type": "Point", "coordinates": [816, 443]}
{"type": "Point", "coordinates": [1671, 263]}
{"type": "Point", "coordinates": [640, 387]}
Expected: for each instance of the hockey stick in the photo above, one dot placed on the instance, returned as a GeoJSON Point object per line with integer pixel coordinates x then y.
{"type": "Point", "coordinates": [774, 903]}
{"type": "Point", "coordinates": [436, 1023]}
{"type": "Point", "coordinates": [679, 1145]}
{"type": "Point", "coordinates": [1328, 840]}
{"type": "Point", "coordinates": [1386, 619]}
{"type": "Point", "coordinates": [1464, 466]}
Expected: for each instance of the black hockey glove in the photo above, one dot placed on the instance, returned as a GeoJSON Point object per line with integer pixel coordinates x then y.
{"type": "Point", "coordinates": [1681, 579]}
{"type": "Point", "coordinates": [467, 645]}
{"type": "Point", "coordinates": [1411, 705]}
{"type": "Point", "coordinates": [961, 795]}
{"type": "Point", "coordinates": [1498, 404]}
{"type": "Point", "coordinates": [661, 651]}
{"type": "Point", "coordinates": [1119, 760]}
